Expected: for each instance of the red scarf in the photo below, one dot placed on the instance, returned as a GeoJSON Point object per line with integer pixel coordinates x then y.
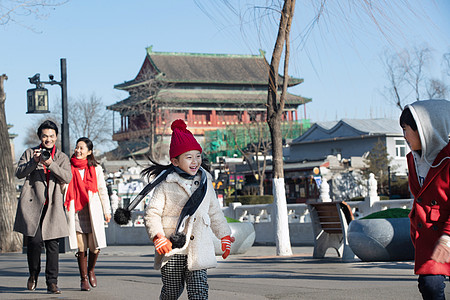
{"type": "Point", "coordinates": [78, 188]}
{"type": "Point", "coordinates": [47, 171]}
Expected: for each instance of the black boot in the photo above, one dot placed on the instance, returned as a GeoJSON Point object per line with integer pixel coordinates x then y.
{"type": "Point", "coordinates": [32, 282]}
{"type": "Point", "coordinates": [91, 265]}
{"type": "Point", "coordinates": [82, 265]}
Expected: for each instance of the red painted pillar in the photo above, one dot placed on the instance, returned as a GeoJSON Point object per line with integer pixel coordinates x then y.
{"type": "Point", "coordinates": [213, 118]}
{"type": "Point", "coordinates": [190, 118]}
{"type": "Point", "coordinates": [245, 118]}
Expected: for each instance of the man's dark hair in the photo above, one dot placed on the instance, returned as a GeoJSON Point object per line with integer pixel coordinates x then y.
{"type": "Point", "coordinates": [406, 118]}
{"type": "Point", "coordinates": [47, 124]}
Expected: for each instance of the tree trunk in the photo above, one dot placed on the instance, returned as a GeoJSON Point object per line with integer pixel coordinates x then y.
{"type": "Point", "coordinates": [151, 133]}
{"type": "Point", "coordinates": [10, 241]}
{"type": "Point", "coordinates": [262, 177]}
{"type": "Point", "coordinates": [275, 110]}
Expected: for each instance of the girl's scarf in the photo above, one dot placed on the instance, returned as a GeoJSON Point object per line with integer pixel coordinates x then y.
{"type": "Point", "coordinates": [123, 215]}
{"type": "Point", "coordinates": [78, 188]}
{"type": "Point", "coordinates": [183, 174]}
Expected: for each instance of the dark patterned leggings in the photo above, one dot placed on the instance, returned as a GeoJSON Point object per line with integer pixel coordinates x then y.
{"type": "Point", "coordinates": [175, 274]}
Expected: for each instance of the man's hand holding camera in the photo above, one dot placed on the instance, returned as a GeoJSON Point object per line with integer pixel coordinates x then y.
{"type": "Point", "coordinates": [43, 156]}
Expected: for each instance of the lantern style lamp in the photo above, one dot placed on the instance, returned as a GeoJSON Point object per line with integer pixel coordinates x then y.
{"type": "Point", "coordinates": [37, 101]}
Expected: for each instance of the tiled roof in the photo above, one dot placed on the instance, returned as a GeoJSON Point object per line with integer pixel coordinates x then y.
{"type": "Point", "coordinates": [350, 128]}
{"type": "Point", "coordinates": [212, 97]}
{"type": "Point", "coordinates": [209, 68]}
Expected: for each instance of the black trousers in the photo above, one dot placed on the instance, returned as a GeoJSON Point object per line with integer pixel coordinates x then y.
{"type": "Point", "coordinates": [35, 245]}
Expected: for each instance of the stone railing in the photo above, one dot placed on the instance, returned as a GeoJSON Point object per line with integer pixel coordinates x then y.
{"type": "Point", "coordinates": [300, 228]}
{"type": "Point", "coordinates": [260, 215]}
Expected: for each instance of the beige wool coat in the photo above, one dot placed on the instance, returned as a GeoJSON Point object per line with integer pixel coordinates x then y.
{"type": "Point", "coordinates": [99, 205]}
{"type": "Point", "coordinates": [161, 215]}
{"type": "Point", "coordinates": [32, 196]}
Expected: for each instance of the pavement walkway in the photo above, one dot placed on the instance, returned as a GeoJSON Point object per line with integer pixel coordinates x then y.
{"type": "Point", "coordinates": [126, 272]}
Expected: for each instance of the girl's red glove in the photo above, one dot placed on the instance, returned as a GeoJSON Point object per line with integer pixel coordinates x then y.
{"type": "Point", "coordinates": [226, 245]}
{"type": "Point", "coordinates": [162, 244]}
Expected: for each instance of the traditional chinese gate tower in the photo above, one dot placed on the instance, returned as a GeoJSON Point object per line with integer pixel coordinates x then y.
{"type": "Point", "coordinates": [208, 91]}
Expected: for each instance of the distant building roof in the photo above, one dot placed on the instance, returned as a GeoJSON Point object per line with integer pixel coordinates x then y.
{"type": "Point", "coordinates": [176, 67]}
{"type": "Point", "coordinates": [350, 128]}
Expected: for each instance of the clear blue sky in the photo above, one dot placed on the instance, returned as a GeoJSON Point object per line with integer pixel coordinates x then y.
{"type": "Point", "coordinates": [104, 43]}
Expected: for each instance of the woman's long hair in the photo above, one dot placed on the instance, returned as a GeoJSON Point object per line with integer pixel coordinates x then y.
{"type": "Point", "coordinates": [90, 158]}
{"type": "Point", "coordinates": [155, 169]}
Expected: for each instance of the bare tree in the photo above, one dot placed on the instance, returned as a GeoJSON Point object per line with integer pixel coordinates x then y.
{"type": "Point", "coordinates": [396, 74]}
{"type": "Point", "coordinates": [254, 143]}
{"type": "Point", "coordinates": [437, 89]}
{"type": "Point", "coordinates": [257, 145]}
{"type": "Point", "coordinates": [9, 240]}
{"type": "Point", "coordinates": [275, 108]}
{"type": "Point", "coordinates": [415, 65]}
{"type": "Point", "coordinates": [13, 10]}
{"type": "Point", "coordinates": [446, 63]}
{"type": "Point", "coordinates": [406, 77]}
{"type": "Point", "coordinates": [88, 118]}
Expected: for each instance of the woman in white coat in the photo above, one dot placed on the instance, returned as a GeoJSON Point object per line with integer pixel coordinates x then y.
{"type": "Point", "coordinates": [88, 206]}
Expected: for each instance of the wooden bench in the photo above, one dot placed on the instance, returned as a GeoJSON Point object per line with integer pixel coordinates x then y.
{"type": "Point", "coordinates": [330, 222]}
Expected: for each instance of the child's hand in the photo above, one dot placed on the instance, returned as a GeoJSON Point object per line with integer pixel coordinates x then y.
{"type": "Point", "coordinates": [162, 244]}
{"type": "Point", "coordinates": [226, 245]}
{"type": "Point", "coordinates": [441, 253]}
{"type": "Point", "coordinates": [107, 218]}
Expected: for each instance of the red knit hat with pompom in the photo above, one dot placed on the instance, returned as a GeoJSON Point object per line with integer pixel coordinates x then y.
{"type": "Point", "coordinates": [182, 139]}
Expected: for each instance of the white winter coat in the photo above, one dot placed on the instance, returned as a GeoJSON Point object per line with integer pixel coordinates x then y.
{"type": "Point", "coordinates": [99, 205]}
{"type": "Point", "coordinates": [163, 211]}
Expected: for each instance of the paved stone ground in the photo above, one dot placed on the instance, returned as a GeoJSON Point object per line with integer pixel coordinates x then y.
{"type": "Point", "coordinates": [126, 272]}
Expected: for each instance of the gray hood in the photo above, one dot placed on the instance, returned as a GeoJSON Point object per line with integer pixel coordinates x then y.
{"type": "Point", "coordinates": [433, 124]}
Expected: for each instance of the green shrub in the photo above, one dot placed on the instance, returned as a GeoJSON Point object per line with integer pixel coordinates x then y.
{"type": "Point", "coordinates": [250, 199]}
{"type": "Point", "coordinates": [389, 214]}
{"type": "Point", "coordinates": [231, 220]}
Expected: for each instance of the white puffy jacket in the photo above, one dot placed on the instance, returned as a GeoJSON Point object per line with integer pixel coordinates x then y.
{"type": "Point", "coordinates": [163, 211]}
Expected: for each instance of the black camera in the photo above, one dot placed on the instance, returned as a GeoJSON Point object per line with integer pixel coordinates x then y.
{"type": "Point", "coordinates": [45, 154]}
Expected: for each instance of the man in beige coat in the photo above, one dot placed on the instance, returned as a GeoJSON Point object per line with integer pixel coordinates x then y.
{"type": "Point", "coordinates": [40, 213]}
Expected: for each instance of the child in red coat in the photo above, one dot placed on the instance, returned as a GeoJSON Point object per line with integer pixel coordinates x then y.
{"type": "Point", "coordinates": [426, 126]}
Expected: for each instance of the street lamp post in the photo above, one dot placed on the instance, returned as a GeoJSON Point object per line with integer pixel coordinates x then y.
{"type": "Point", "coordinates": [42, 93]}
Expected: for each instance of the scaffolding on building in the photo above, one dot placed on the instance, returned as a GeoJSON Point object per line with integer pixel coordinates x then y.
{"type": "Point", "coordinates": [229, 142]}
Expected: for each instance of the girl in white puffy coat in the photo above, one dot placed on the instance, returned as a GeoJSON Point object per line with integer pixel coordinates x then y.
{"type": "Point", "coordinates": [180, 217]}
